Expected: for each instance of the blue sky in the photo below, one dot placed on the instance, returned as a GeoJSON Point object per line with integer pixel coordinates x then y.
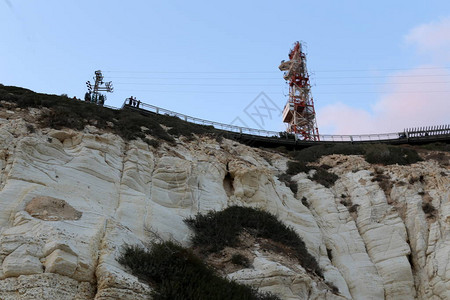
{"type": "Point", "coordinates": [376, 67]}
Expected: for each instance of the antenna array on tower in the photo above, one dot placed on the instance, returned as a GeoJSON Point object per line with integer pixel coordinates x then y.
{"type": "Point", "coordinates": [299, 113]}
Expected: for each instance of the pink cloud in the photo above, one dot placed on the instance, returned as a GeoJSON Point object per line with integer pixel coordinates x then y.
{"type": "Point", "coordinates": [411, 98]}
{"type": "Point", "coordinates": [339, 118]}
{"type": "Point", "coordinates": [432, 39]}
{"type": "Point", "coordinates": [402, 106]}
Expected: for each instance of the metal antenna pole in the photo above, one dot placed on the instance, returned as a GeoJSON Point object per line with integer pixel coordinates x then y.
{"type": "Point", "coordinates": [99, 86]}
{"type": "Point", "coordinates": [299, 112]}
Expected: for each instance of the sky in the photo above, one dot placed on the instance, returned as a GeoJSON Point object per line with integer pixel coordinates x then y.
{"type": "Point", "coordinates": [375, 66]}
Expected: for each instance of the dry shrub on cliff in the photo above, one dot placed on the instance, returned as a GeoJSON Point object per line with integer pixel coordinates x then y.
{"type": "Point", "coordinates": [303, 157]}
{"type": "Point", "coordinates": [295, 167]}
{"type": "Point", "coordinates": [436, 147]}
{"type": "Point", "coordinates": [76, 114]}
{"type": "Point", "coordinates": [313, 153]}
{"type": "Point", "coordinates": [240, 259]}
{"type": "Point", "coordinates": [321, 175]}
{"type": "Point", "coordinates": [373, 153]}
{"type": "Point", "coordinates": [216, 230]}
{"type": "Point", "coordinates": [388, 155]}
{"type": "Point", "coordinates": [176, 273]}
{"type": "Point", "coordinates": [287, 179]}
{"type": "Point", "coordinates": [180, 127]}
{"type": "Point", "coordinates": [429, 209]}
{"type": "Point", "coordinates": [324, 177]}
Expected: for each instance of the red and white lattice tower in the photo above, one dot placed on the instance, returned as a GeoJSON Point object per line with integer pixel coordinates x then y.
{"type": "Point", "coordinates": [299, 113]}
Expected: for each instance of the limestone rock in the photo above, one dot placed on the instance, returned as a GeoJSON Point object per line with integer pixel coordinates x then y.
{"type": "Point", "coordinates": [21, 262]}
{"type": "Point", "coordinates": [61, 262]}
{"type": "Point", "coordinates": [70, 200]}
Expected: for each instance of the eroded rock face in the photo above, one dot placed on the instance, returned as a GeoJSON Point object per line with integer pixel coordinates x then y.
{"type": "Point", "coordinates": [51, 209]}
{"type": "Point", "coordinates": [70, 200]}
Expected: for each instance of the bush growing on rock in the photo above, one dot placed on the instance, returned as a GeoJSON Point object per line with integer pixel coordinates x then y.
{"type": "Point", "coordinates": [321, 175]}
{"type": "Point", "coordinates": [373, 153]}
{"type": "Point", "coordinates": [287, 179]}
{"type": "Point", "coordinates": [436, 147]}
{"type": "Point", "coordinates": [313, 153]}
{"type": "Point", "coordinates": [388, 155]}
{"type": "Point", "coordinates": [353, 208]}
{"type": "Point", "coordinates": [295, 167]}
{"type": "Point", "coordinates": [176, 273]}
{"type": "Point", "coordinates": [241, 260]}
{"type": "Point", "coordinates": [428, 209]}
{"type": "Point", "coordinates": [216, 230]}
{"type": "Point", "coordinates": [70, 113]}
{"type": "Point", "coordinates": [324, 177]}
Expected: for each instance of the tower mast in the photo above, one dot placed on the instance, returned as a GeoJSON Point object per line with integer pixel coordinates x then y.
{"type": "Point", "coordinates": [299, 113]}
{"type": "Point", "coordinates": [94, 94]}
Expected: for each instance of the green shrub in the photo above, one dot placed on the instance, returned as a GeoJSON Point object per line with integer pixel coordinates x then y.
{"type": "Point", "coordinates": [31, 128]}
{"type": "Point", "coordinates": [388, 155]}
{"type": "Point", "coordinates": [321, 175]}
{"type": "Point", "coordinates": [286, 178]}
{"type": "Point", "coordinates": [152, 142]}
{"type": "Point", "coordinates": [176, 273]}
{"type": "Point", "coordinates": [240, 260]}
{"type": "Point", "coordinates": [295, 167]}
{"type": "Point", "coordinates": [436, 147]}
{"type": "Point", "coordinates": [353, 208]}
{"type": "Point", "coordinates": [313, 153]}
{"type": "Point", "coordinates": [286, 135]}
{"type": "Point", "coordinates": [374, 153]}
{"type": "Point", "coordinates": [216, 230]}
{"type": "Point", "coordinates": [66, 112]}
{"type": "Point", "coordinates": [324, 177]}
{"type": "Point", "coordinates": [429, 209]}
{"type": "Point", "coordinates": [305, 202]}
{"type": "Point", "coordinates": [180, 127]}
{"type": "Point", "coordinates": [333, 288]}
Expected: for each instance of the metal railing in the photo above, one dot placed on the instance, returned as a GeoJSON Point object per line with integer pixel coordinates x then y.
{"type": "Point", "coordinates": [217, 125]}
{"type": "Point", "coordinates": [421, 132]}
{"type": "Point", "coordinates": [427, 131]}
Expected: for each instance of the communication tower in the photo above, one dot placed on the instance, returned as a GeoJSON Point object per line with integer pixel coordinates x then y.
{"type": "Point", "coordinates": [94, 94]}
{"type": "Point", "coordinates": [299, 113]}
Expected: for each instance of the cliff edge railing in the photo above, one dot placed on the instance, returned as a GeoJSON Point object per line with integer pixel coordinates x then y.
{"type": "Point", "coordinates": [410, 135]}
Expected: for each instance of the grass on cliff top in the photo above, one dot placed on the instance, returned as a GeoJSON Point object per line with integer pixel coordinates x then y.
{"type": "Point", "coordinates": [216, 230]}
{"type": "Point", "coordinates": [373, 153]}
{"type": "Point", "coordinates": [76, 114]}
{"type": "Point", "coordinates": [176, 273]}
{"type": "Point", "coordinates": [436, 147]}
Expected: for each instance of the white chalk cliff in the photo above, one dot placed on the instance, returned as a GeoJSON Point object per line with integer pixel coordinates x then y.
{"type": "Point", "coordinates": [70, 200]}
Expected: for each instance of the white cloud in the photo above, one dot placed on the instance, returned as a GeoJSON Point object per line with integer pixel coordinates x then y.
{"type": "Point", "coordinates": [432, 39]}
{"type": "Point", "coordinates": [410, 98]}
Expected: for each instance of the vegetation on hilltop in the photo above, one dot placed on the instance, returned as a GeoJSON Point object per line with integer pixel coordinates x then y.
{"type": "Point", "coordinates": [373, 153]}
{"type": "Point", "coordinates": [76, 114]}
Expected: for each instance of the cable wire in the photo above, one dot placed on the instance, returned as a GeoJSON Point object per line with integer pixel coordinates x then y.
{"type": "Point", "coordinates": [273, 78]}
{"type": "Point", "coordinates": [322, 84]}
{"type": "Point", "coordinates": [271, 72]}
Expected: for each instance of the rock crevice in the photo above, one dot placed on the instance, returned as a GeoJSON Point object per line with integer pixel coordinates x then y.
{"type": "Point", "coordinates": [60, 239]}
